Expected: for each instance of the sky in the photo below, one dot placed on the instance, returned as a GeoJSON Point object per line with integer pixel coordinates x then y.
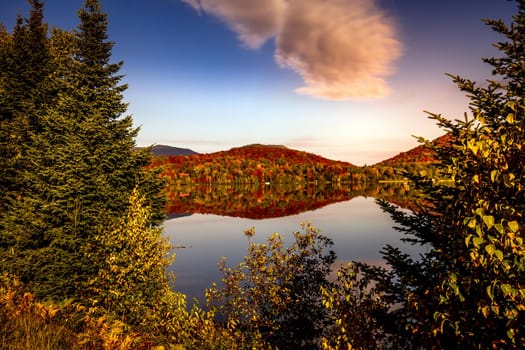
{"type": "Point", "coordinates": [346, 79]}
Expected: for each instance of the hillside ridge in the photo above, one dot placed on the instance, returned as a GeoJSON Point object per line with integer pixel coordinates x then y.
{"type": "Point", "coordinates": [419, 154]}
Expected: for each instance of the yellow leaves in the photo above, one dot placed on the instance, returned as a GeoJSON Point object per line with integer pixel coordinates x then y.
{"type": "Point", "coordinates": [511, 118]}
{"type": "Point", "coordinates": [474, 146]}
{"type": "Point", "coordinates": [249, 232]}
{"type": "Point", "coordinates": [261, 291]}
{"type": "Point", "coordinates": [485, 311]}
{"type": "Point", "coordinates": [513, 226]}
{"type": "Point", "coordinates": [488, 220]}
{"type": "Point", "coordinates": [134, 257]}
{"type": "Point", "coordinates": [477, 241]}
{"type": "Point", "coordinates": [511, 314]}
{"type": "Point", "coordinates": [492, 251]}
{"type": "Point", "coordinates": [46, 312]}
{"type": "Point", "coordinates": [494, 175]}
{"type": "Point", "coordinates": [101, 333]}
{"type": "Point", "coordinates": [232, 323]}
{"type": "Point", "coordinates": [101, 330]}
{"type": "Point", "coordinates": [7, 297]}
{"type": "Point", "coordinates": [499, 255]}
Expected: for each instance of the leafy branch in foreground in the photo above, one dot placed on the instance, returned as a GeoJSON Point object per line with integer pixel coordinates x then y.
{"type": "Point", "coordinates": [467, 290]}
{"type": "Point", "coordinates": [273, 298]}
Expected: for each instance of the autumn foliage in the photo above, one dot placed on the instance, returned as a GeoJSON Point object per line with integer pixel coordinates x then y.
{"type": "Point", "coordinates": [256, 164]}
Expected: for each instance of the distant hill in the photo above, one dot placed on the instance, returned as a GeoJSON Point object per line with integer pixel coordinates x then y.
{"type": "Point", "coordinates": [166, 151]}
{"type": "Point", "coordinates": [420, 154]}
{"type": "Point", "coordinates": [258, 153]}
{"type": "Point", "coordinates": [271, 164]}
{"type": "Point", "coordinates": [280, 154]}
{"type": "Point", "coordinates": [256, 164]}
{"type": "Point", "coordinates": [274, 152]}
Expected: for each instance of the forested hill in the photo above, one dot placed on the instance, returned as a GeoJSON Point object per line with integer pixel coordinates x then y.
{"type": "Point", "coordinates": [256, 163]}
{"type": "Point", "coordinates": [420, 154]}
{"type": "Point", "coordinates": [278, 164]}
{"type": "Point", "coordinates": [277, 153]}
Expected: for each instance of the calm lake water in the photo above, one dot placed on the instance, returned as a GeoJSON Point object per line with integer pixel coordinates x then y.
{"type": "Point", "coordinates": [358, 227]}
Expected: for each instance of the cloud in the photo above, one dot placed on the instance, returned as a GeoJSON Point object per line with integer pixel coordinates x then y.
{"type": "Point", "coordinates": [343, 49]}
{"type": "Point", "coordinates": [254, 21]}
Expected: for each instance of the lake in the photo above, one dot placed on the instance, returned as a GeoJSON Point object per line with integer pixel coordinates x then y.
{"type": "Point", "coordinates": [358, 227]}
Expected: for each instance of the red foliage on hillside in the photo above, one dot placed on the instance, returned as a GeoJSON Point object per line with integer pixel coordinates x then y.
{"type": "Point", "coordinates": [256, 164]}
{"type": "Point", "coordinates": [259, 152]}
{"type": "Point", "coordinates": [420, 154]}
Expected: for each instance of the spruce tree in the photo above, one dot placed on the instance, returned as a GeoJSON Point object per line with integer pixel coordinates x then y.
{"type": "Point", "coordinates": [82, 167]}
{"type": "Point", "coordinates": [108, 136]}
{"type": "Point", "coordinates": [25, 94]}
{"type": "Point", "coordinates": [7, 137]}
{"type": "Point", "coordinates": [25, 69]}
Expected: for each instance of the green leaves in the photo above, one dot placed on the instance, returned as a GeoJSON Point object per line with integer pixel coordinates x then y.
{"type": "Point", "coordinates": [275, 293]}
{"type": "Point", "coordinates": [71, 166]}
{"type": "Point", "coordinates": [473, 230]}
{"type": "Point", "coordinates": [132, 274]}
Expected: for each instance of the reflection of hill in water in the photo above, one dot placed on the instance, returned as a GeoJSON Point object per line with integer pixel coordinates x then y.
{"type": "Point", "coordinates": [170, 216]}
{"type": "Point", "coordinates": [262, 202]}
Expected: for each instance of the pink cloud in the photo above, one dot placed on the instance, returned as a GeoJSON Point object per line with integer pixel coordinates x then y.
{"type": "Point", "coordinates": [342, 49]}
{"type": "Point", "coordinates": [254, 21]}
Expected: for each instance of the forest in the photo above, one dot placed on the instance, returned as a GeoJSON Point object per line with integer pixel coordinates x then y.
{"type": "Point", "coordinates": [265, 164]}
{"type": "Point", "coordinates": [83, 258]}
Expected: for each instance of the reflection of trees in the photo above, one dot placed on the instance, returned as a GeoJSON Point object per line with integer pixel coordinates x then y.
{"type": "Point", "coordinates": [260, 202]}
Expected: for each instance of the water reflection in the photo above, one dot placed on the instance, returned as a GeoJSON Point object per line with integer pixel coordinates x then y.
{"type": "Point", "coordinates": [269, 201]}
{"type": "Point", "coordinates": [356, 223]}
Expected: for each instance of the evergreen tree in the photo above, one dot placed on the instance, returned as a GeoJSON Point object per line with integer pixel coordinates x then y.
{"type": "Point", "coordinates": [25, 95]}
{"type": "Point", "coordinates": [111, 169]}
{"type": "Point", "coordinates": [7, 138]}
{"type": "Point", "coordinates": [25, 69]}
{"type": "Point", "coordinates": [468, 290]}
{"type": "Point", "coordinates": [82, 164]}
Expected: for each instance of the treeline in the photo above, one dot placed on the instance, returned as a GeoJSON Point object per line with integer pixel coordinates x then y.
{"type": "Point", "coordinates": [259, 164]}
{"type": "Point", "coordinates": [83, 260]}
{"type": "Point", "coordinates": [256, 164]}
{"type": "Point", "coordinates": [421, 160]}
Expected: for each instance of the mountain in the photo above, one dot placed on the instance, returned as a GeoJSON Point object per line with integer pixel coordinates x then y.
{"type": "Point", "coordinates": [420, 154]}
{"type": "Point", "coordinates": [256, 164]}
{"type": "Point", "coordinates": [166, 151]}
{"type": "Point", "coordinates": [277, 164]}
{"type": "Point", "coordinates": [258, 153]}
{"type": "Point", "coordinates": [274, 152]}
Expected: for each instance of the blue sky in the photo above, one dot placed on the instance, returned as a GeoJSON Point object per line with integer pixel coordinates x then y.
{"type": "Point", "coordinates": [346, 79]}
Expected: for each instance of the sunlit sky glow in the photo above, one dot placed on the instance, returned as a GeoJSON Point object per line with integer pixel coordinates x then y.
{"type": "Point", "coordinates": [346, 79]}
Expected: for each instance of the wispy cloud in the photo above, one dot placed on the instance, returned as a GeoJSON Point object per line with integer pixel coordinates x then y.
{"type": "Point", "coordinates": [254, 21]}
{"type": "Point", "coordinates": [343, 49]}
